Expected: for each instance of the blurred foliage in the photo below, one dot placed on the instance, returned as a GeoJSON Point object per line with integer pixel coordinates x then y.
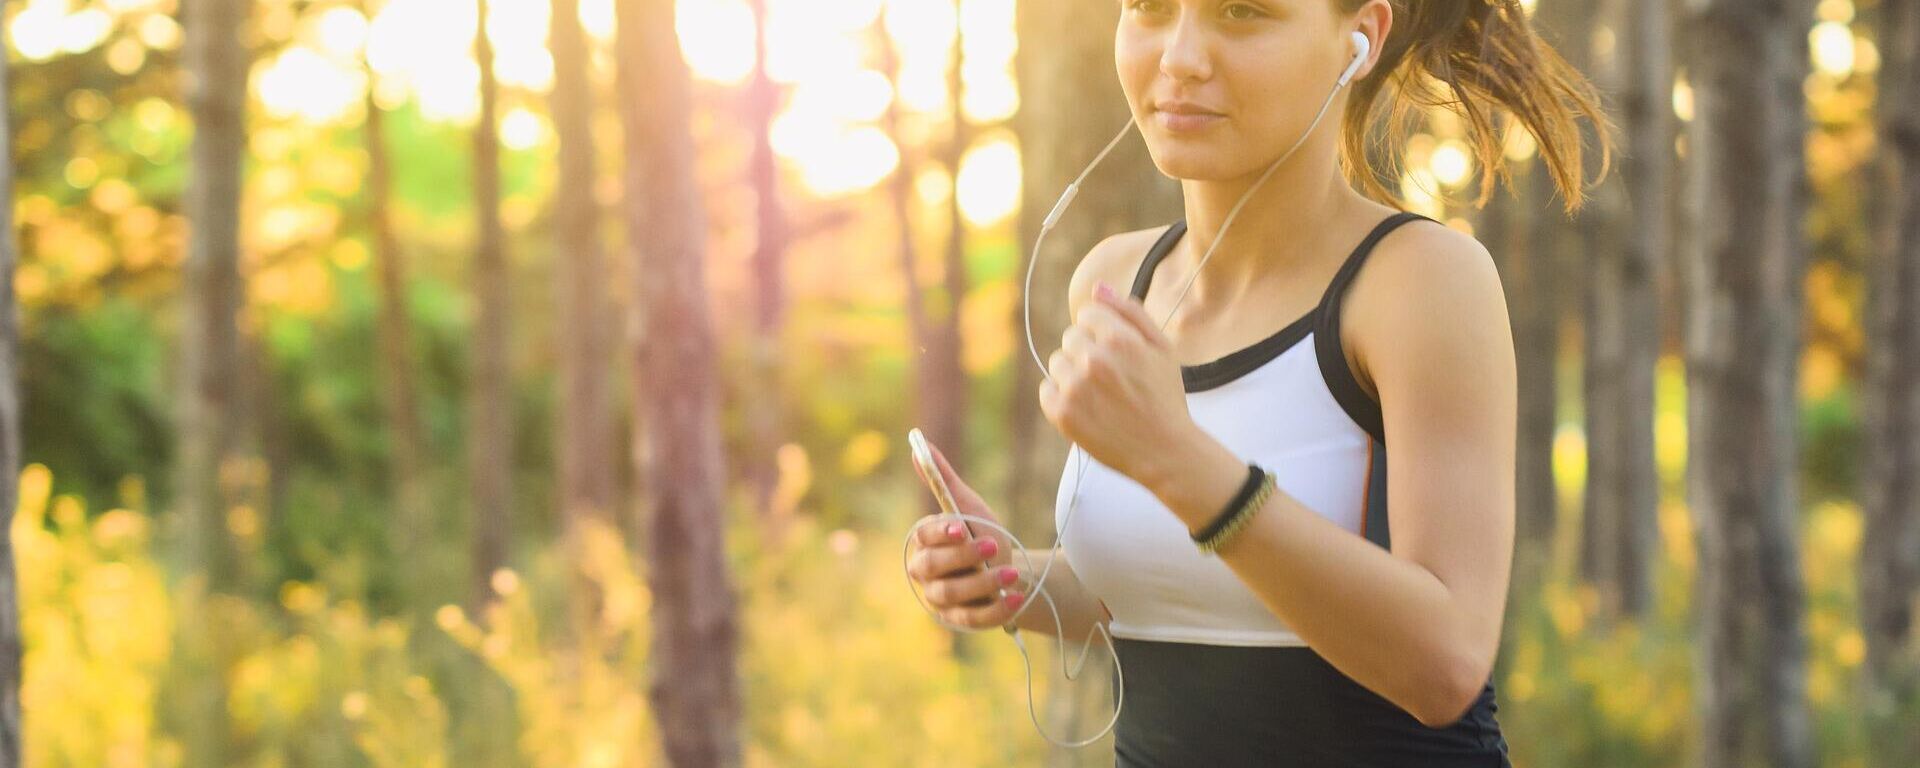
{"type": "Point", "coordinates": [839, 665]}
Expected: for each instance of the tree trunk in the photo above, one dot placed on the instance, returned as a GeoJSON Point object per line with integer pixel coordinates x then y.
{"type": "Point", "coordinates": [695, 692]}
{"type": "Point", "coordinates": [216, 61]}
{"type": "Point", "coordinates": [946, 404]}
{"type": "Point", "coordinates": [1553, 251]}
{"type": "Point", "coordinates": [1623, 329]}
{"type": "Point", "coordinates": [586, 438]}
{"type": "Point", "coordinates": [408, 460]}
{"type": "Point", "coordinates": [1509, 230]}
{"type": "Point", "coordinates": [209, 432]}
{"type": "Point", "coordinates": [1745, 303]}
{"type": "Point", "coordinates": [490, 414]}
{"type": "Point", "coordinates": [1073, 107]}
{"type": "Point", "coordinates": [10, 736]}
{"type": "Point", "coordinates": [1890, 547]}
{"type": "Point", "coordinates": [765, 415]}
{"type": "Point", "coordinates": [900, 199]}
{"type": "Point", "coordinates": [584, 435]}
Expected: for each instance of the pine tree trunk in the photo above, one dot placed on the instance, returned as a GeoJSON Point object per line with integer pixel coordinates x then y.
{"type": "Point", "coordinates": [1890, 547]}
{"type": "Point", "coordinates": [946, 381]}
{"type": "Point", "coordinates": [216, 61]}
{"type": "Point", "coordinates": [1071, 107]}
{"type": "Point", "coordinates": [1745, 302]}
{"type": "Point", "coordinates": [1510, 229]}
{"type": "Point", "coordinates": [765, 416]}
{"type": "Point", "coordinates": [209, 432]}
{"type": "Point", "coordinates": [695, 692]}
{"type": "Point", "coordinates": [584, 436]}
{"type": "Point", "coordinates": [1547, 282]}
{"type": "Point", "coordinates": [586, 439]}
{"type": "Point", "coordinates": [401, 398]}
{"type": "Point", "coordinates": [1623, 330]}
{"type": "Point", "coordinates": [900, 201]}
{"type": "Point", "coordinates": [490, 407]}
{"type": "Point", "coordinates": [10, 648]}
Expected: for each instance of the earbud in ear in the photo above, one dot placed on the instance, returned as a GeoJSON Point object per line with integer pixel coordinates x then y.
{"type": "Point", "coordinates": [1362, 45]}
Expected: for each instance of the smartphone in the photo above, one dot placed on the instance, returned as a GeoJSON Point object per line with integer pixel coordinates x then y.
{"type": "Point", "coordinates": [937, 483]}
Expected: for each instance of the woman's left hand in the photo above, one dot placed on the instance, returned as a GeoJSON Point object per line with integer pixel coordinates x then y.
{"type": "Point", "coordinates": [1116, 389]}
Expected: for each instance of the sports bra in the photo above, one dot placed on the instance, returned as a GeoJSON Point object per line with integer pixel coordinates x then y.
{"type": "Point", "coordinates": [1287, 402]}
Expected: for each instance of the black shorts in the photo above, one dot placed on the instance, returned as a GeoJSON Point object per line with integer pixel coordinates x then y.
{"type": "Point", "coordinates": [1216, 706]}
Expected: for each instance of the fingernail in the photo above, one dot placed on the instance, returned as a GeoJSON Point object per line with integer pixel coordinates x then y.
{"type": "Point", "coordinates": [1009, 576]}
{"type": "Point", "coordinates": [953, 531]}
{"type": "Point", "coordinates": [1100, 289]}
{"type": "Point", "coordinates": [988, 547]}
{"type": "Point", "coordinates": [1014, 600]}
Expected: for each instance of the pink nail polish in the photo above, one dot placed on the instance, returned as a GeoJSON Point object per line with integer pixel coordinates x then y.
{"type": "Point", "coordinates": [988, 547]}
{"type": "Point", "coordinates": [954, 530]}
{"type": "Point", "coordinates": [1014, 600]}
{"type": "Point", "coordinates": [1009, 576]}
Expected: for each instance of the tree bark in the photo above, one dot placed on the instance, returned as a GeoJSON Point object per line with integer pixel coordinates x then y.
{"type": "Point", "coordinates": [216, 61]}
{"type": "Point", "coordinates": [10, 645]}
{"type": "Point", "coordinates": [407, 463]}
{"type": "Point", "coordinates": [1623, 330]}
{"type": "Point", "coordinates": [1551, 251]}
{"type": "Point", "coordinates": [900, 202]}
{"type": "Point", "coordinates": [1890, 546]}
{"type": "Point", "coordinates": [586, 438]}
{"type": "Point", "coordinates": [765, 414]}
{"type": "Point", "coordinates": [1510, 229]}
{"type": "Point", "coordinates": [1745, 297]}
{"type": "Point", "coordinates": [1072, 106]}
{"type": "Point", "coordinates": [695, 691]}
{"type": "Point", "coordinates": [209, 430]}
{"type": "Point", "coordinates": [946, 385]}
{"type": "Point", "coordinates": [490, 407]}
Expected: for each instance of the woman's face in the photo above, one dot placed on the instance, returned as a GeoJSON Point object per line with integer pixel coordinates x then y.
{"type": "Point", "coordinates": [1251, 74]}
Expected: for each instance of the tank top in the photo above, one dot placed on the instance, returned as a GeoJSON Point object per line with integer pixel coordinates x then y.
{"type": "Point", "coordinates": [1212, 676]}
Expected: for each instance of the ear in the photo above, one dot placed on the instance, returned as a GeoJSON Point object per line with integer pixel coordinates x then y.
{"type": "Point", "coordinates": [1375, 20]}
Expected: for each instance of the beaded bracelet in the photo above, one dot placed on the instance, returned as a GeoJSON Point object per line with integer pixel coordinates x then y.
{"type": "Point", "coordinates": [1253, 495]}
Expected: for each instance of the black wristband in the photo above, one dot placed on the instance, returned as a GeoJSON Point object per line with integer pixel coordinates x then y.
{"type": "Point", "coordinates": [1247, 489]}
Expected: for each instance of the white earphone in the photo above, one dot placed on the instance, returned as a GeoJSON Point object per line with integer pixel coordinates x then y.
{"type": "Point", "coordinates": [1362, 46]}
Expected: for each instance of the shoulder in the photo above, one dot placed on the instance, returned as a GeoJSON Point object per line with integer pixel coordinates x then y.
{"type": "Point", "coordinates": [1113, 260]}
{"type": "Point", "coordinates": [1427, 289]}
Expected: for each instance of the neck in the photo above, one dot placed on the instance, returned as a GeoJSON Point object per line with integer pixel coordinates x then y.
{"type": "Point", "coordinates": [1279, 230]}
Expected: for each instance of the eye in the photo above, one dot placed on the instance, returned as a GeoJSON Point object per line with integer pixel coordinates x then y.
{"type": "Point", "coordinates": [1252, 11]}
{"type": "Point", "coordinates": [1144, 6]}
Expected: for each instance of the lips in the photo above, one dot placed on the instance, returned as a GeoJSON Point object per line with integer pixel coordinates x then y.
{"type": "Point", "coordinates": [1184, 108]}
{"type": "Point", "coordinates": [1182, 117]}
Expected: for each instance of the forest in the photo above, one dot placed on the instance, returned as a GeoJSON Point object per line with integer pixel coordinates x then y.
{"type": "Point", "coordinates": [527, 382]}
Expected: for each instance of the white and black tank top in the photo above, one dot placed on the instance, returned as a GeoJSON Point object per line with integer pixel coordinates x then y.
{"type": "Point", "coordinates": [1212, 676]}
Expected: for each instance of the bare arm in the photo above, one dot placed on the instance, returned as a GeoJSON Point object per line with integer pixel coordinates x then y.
{"type": "Point", "coordinates": [1079, 609]}
{"type": "Point", "coordinates": [1419, 625]}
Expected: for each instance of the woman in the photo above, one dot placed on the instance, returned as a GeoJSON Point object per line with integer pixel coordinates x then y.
{"type": "Point", "coordinates": [1323, 627]}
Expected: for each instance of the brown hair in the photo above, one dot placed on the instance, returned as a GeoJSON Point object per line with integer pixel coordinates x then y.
{"type": "Point", "coordinates": [1482, 60]}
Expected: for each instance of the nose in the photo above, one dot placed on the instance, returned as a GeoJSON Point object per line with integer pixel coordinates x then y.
{"type": "Point", "coordinates": [1185, 55]}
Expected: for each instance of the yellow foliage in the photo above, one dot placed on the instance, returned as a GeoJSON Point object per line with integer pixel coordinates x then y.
{"type": "Point", "coordinates": [581, 699]}
{"type": "Point", "coordinates": [95, 621]}
{"type": "Point", "coordinates": [864, 452]}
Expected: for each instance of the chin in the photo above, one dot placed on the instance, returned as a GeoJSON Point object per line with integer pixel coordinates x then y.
{"type": "Point", "coordinates": [1193, 161]}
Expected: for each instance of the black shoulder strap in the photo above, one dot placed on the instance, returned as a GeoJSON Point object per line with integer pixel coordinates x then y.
{"type": "Point", "coordinates": [1155, 255]}
{"type": "Point", "coordinates": [1338, 287]}
{"type": "Point", "coordinates": [1340, 380]}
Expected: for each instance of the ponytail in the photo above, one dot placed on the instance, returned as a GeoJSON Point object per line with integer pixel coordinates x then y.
{"type": "Point", "coordinates": [1482, 60]}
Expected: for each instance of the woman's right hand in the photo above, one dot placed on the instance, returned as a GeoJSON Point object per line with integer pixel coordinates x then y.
{"type": "Point", "coordinates": [947, 566]}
